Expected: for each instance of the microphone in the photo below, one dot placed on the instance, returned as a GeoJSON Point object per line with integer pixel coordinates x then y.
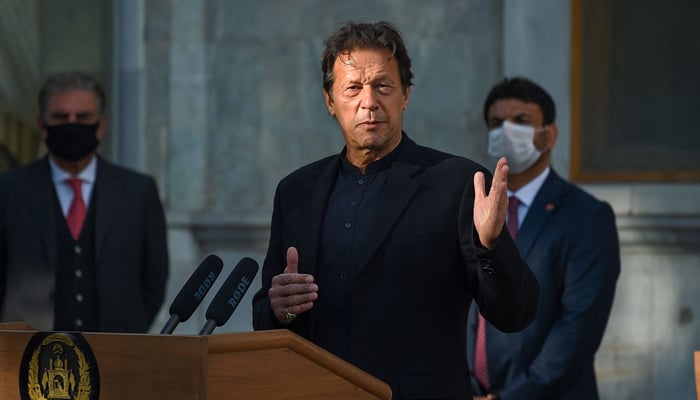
{"type": "Point", "coordinates": [193, 292]}
{"type": "Point", "coordinates": [230, 294]}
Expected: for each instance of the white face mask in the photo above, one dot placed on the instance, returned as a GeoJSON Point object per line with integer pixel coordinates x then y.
{"type": "Point", "coordinates": [515, 143]}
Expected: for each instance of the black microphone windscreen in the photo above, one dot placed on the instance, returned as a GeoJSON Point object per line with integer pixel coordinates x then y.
{"type": "Point", "coordinates": [196, 287]}
{"type": "Point", "coordinates": [232, 291]}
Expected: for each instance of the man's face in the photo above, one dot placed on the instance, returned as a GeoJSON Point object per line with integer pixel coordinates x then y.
{"type": "Point", "coordinates": [522, 113]}
{"type": "Point", "coordinates": [75, 106]}
{"type": "Point", "coordinates": [368, 102]}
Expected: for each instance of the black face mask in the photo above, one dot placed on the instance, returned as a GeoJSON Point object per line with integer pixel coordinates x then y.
{"type": "Point", "coordinates": [71, 142]}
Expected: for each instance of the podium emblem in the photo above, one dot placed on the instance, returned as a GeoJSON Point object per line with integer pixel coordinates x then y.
{"type": "Point", "coordinates": [58, 366]}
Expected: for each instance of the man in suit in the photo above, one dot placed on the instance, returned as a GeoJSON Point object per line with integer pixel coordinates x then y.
{"type": "Point", "coordinates": [375, 253]}
{"type": "Point", "coordinates": [568, 238]}
{"type": "Point", "coordinates": [82, 241]}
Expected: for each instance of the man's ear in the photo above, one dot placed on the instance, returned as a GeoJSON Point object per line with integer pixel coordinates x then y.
{"type": "Point", "coordinates": [42, 127]}
{"type": "Point", "coordinates": [552, 134]}
{"type": "Point", "coordinates": [101, 127]}
{"type": "Point", "coordinates": [406, 97]}
{"type": "Point", "coordinates": [329, 102]}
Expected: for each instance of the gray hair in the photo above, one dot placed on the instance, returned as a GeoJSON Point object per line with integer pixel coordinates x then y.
{"type": "Point", "coordinates": [71, 80]}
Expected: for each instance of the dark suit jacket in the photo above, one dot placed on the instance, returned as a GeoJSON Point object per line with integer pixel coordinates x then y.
{"type": "Point", "coordinates": [131, 258]}
{"type": "Point", "coordinates": [569, 239]}
{"type": "Point", "coordinates": [419, 272]}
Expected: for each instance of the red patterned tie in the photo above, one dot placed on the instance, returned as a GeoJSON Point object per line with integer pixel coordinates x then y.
{"type": "Point", "coordinates": [481, 370]}
{"type": "Point", "coordinates": [481, 367]}
{"type": "Point", "coordinates": [76, 212]}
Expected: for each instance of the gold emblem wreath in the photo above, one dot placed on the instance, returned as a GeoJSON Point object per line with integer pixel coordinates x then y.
{"type": "Point", "coordinates": [85, 385]}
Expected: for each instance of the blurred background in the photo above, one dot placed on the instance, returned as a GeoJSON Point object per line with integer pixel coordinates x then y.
{"type": "Point", "coordinates": [219, 99]}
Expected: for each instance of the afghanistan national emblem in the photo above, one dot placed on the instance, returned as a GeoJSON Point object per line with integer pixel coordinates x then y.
{"type": "Point", "coordinates": [58, 366]}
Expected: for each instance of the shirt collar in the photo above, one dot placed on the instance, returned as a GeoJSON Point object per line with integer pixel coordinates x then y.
{"type": "Point", "coordinates": [527, 193]}
{"type": "Point", "coordinates": [375, 166]}
{"type": "Point", "coordinates": [58, 175]}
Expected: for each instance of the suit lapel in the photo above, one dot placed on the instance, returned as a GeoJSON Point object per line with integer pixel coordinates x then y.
{"type": "Point", "coordinates": [546, 201]}
{"type": "Point", "coordinates": [400, 188]}
{"type": "Point", "coordinates": [106, 194]}
{"type": "Point", "coordinates": [40, 194]}
{"type": "Point", "coordinates": [318, 190]}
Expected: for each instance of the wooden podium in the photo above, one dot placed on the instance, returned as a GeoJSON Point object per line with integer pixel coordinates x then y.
{"type": "Point", "coordinates": [275, 364]}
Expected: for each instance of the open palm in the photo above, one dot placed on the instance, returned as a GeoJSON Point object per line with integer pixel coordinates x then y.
{"type": "Point", "coordinates": [490, 209]}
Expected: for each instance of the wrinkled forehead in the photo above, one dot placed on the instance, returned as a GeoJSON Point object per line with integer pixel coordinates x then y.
{"type": "Point", "coordinates": [366, 62]}
{"type": "Point", "coordinates": [72, 101]}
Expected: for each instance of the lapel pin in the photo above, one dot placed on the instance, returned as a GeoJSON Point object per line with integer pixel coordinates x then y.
{"type": "Point", "coordinates": [549, 207]}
